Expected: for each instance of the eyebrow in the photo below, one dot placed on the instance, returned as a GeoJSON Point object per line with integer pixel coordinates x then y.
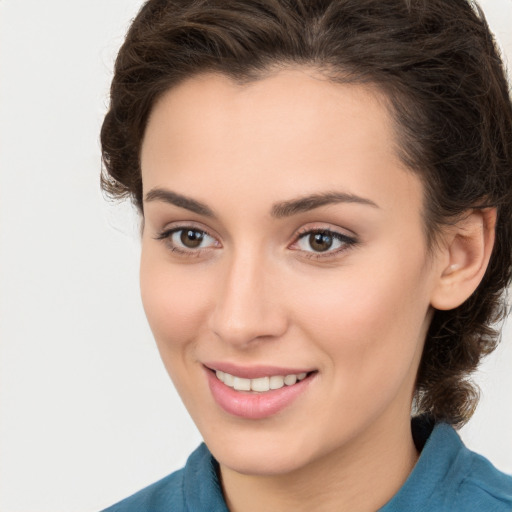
{"type": "Point", "coordinates": [279, 210]}
{"type": "Point", "coordinates": [304, 204]}
{"type": "Point", "coordinates": [167, 196]}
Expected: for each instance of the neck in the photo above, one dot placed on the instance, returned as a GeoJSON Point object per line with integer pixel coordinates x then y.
{"type": "Point", "coordinates": [360, 478]}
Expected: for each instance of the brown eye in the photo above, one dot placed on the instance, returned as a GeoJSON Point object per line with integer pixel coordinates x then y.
{"type": "Point", "coordinates": [323, 241]}
{"type": "Point", "coordinates": [191, 238]}
{"type": "Point", "coordinates": [188, 241]}
{"type": "Point", "coordinates": [320, 242]}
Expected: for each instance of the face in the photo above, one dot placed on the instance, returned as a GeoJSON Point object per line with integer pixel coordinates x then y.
{"type": "Point", "coordinates": [284, 267]}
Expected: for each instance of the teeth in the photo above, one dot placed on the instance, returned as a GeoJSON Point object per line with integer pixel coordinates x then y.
{"type": "Point", "coordinates": [242, 384]}
{"type": "Point", "coordinates": [290, 380]}
{"type": "Point", "coordinates": [276, 382]}
{"type": "Point", "coordinates": [229, 380]}
{"type": "Point", "coordinates": [260, 384]}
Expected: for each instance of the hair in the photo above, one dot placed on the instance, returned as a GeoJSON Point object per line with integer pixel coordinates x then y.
{"type": "Point", "coordinates": [437, 64]}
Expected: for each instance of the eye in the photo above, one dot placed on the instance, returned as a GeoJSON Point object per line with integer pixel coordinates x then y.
{"type": "Point", "coordinates": [320, 241]}
{"type": "Point", "coordinates": [187, 239]}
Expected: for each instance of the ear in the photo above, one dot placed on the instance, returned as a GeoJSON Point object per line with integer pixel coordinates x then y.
{"type": "Point", "coordinates": [465, 251]}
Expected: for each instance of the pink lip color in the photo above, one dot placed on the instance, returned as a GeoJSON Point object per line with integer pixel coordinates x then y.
{"type": "Point", "coordinates": [254, 372]}
{"type": "Point", "coordinates": [255, 406]}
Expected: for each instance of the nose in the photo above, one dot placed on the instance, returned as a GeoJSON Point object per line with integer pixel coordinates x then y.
{"type": "Point", "coordinates": [247, 307]}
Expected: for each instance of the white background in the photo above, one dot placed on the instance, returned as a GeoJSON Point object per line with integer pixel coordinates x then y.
{"type": "Point", "coordinates": [88, 415]}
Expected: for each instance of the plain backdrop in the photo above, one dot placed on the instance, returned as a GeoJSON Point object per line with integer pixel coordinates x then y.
{"type": "Point", "coordinates": [88, 414]}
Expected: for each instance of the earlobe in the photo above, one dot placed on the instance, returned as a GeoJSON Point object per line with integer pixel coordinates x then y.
{"type": "Point", "coordinates": [466, 252]}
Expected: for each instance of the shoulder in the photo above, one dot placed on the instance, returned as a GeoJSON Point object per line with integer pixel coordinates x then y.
{"type": "Point", "coordinates": [469, 483]}
{"type": "Point", "coordinates": [157, 496]}
{"type": "Point", "coordinates": [193, 488]}
{"type": "Point", "coordinates": [483, 487]}
{"type": "Point", "coordinates": [449, 477]}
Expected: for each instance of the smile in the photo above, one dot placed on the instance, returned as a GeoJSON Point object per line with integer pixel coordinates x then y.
{"type": "Point", "coordinates": [258, 392]}
{"type": "Point", "coordinates": [261, 384]}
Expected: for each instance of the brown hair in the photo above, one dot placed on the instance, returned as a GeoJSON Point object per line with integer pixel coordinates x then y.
{"type": "Point", "coordinates": [437, 63]}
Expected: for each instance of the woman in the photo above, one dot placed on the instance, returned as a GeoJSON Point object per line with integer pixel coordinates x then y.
{"type": "Point", "coordinates": [326, 195]}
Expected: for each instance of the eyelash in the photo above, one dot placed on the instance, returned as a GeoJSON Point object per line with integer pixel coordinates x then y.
{"type": "Point", "coordinates": [346, 241]}
{"type": "Point", "coordinates": [166, 236]}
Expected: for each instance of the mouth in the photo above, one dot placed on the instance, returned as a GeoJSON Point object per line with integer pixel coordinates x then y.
{"type": "Point", "coordinates": [260, 384]}
{"type": "Point", "coordinates": [257, 392]}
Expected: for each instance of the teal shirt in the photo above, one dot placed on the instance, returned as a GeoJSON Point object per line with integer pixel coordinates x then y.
{"type": "Point", "coordinates": [447, 478]}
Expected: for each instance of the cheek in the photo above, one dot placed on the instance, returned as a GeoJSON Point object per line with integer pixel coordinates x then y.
{"type": "Point", "coordinates": [371, 324]}
{"type": "Point", "coordinates": [174, 303]}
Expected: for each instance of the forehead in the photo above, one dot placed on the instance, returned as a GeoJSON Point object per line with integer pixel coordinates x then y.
{"type": "Point", "coordinates": [288, 134]}
{"type": "Point", "coordinates": [298, 97]}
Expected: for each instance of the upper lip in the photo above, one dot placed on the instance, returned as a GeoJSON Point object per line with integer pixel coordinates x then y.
{"type": "Point", "coordinates": [253, 372]}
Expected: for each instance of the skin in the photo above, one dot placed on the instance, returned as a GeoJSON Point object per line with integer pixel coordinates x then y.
{"type": "Point", "coordinates": [255, 292]}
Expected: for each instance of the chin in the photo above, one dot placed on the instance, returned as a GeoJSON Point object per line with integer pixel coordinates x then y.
{"type": "Point", "coordinates": [260, 462]}
{"type": "Point", "coordinates": [263, 454]}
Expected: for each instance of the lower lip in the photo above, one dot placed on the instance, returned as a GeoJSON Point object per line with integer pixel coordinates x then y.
{"type": "Point", "coordinates": [255, 406]}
